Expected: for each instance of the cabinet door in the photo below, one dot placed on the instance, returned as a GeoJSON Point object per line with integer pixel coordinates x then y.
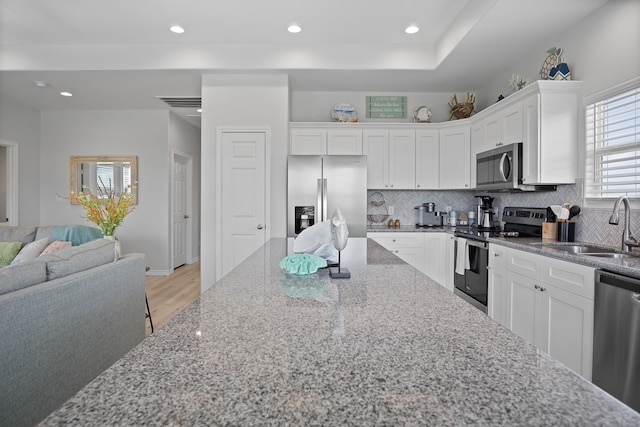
{"type": "Point", "coordinates": [497, 271]}
{"type": "Point", "coordinates": [407, 246]}
{"type": "Point", "coordinates": [344, 141]}
{"type": "Point", "coordinates": [455, 155]}
{"type": "Point", "coordinates": [308, 141]}
{"type": "Point", "coordinates": [402, 159]}
{"type": "Point", "coordinates": [375, 146]}
{"type": "Point", "coordinates": [512, 124]}
{"type": "Point", "coordinates": [521, 306]}
{"type": "Point", "coordinates": [567, 329]}
{"type": "Point", "coordinates": [493, 131]}
{"type": "Point", "coordinates": [530, 155]}
{"type": "Point", "coordinates": [477, 146]}
{"type": "Point", "coordinates": [575, 278]}
{"type": "Point", "coordinates": [427, 159]}
{"type": "Point", "coordinates": [435, 256]}
{"type": "Point", "coordinates": [450, 263]}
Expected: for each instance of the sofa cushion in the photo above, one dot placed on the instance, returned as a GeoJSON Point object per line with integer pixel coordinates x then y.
{"type": "Point", "coordinates": [31, 251]}
{"type": "Point", "coordinates": [8, 251]}
{"type": "Point", "coordinates": [15, 277]}
{"type": "Point", "coordinates": [79, 258]}
{"type": "Point", "coordinates": [18, 234]}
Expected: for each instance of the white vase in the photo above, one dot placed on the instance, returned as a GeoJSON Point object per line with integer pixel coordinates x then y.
{"type": "Point", "coordinates": [117, 247]}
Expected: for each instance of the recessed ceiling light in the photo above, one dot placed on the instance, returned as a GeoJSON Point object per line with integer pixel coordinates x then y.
{"type": "Point", "coordinates": [411, 29]}
{"type": "Point", "coordinates": [65, 93]}
{"type": "Point", "coordinates": [176, 29]}
{"type": "Point", "coordinates": [40, 83]}
{"type": "Point", "coordinates": [294, 28]}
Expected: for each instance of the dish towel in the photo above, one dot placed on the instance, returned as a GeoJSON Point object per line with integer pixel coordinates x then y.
{"type": "Point", "coordinates": [462, 256]}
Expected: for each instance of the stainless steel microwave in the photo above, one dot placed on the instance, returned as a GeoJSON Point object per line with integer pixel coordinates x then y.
{"type": "Point", "coordinates": [500, 168]}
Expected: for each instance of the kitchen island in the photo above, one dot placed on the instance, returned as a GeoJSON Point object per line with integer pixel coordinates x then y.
{"type": "Point", "coordinates": [387, 347]}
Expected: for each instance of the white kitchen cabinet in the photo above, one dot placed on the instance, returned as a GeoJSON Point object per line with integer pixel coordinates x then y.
{"type": "Point", "coordinates": [550, 134]}
{"type": "Point", "coordinates": [455, 157]}
{"type": "Point", "coordinates": [308, 141]}
{"type": "Point", "coordinates": [450, 246]}
{"type": "Point", "coordinates": [409, 246]}
{"type": "Point", "coordinates": [435, 256]}
{"type": "Point", "coordinates": [503, 127]}
{"type": "Point", "coordinates": [391, 160]}
{"type": "Point", "coordinates": [345, 141]}
{"type": "Point", "coordinates": [497, 293]}
{"type": "Point", "coordinates": [550, 304]}
{"type": "Point", "coordinates": [427, 159]}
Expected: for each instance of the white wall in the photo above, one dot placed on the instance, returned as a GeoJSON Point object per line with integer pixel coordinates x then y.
{"type": "Point", "coordinates": [21, 125]}
{"type": "Point", "coordinates": [313, 106]}
{"type": "Point", "coordinates": [142, 133]}
{"type": "Point", "coordinates": [602, 51]}
{"type": "Point", "coordinates": [185, 139]}
{"type": "Point", "coordinates": [243, 101]}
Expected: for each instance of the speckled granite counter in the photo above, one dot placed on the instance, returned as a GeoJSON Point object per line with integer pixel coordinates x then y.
{"type": "Point", "coordinates": [387, 347]}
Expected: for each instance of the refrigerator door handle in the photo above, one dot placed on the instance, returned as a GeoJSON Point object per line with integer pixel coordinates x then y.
{"type": "Point", "coordinates": [319, 205]}
{"type": "Point", "coordinates": [324, 200]}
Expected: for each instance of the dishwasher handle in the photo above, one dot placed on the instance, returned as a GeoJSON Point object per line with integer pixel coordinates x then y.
{"type": "Point", "coordinates": [619, 281]}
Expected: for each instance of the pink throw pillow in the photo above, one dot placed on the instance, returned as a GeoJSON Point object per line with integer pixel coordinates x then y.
{"type": "Point", "coordinates": [55, 246]}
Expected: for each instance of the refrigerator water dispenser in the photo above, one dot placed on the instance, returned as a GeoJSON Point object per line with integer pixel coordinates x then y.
{"type": "Point", "coordinates": [305, 217]}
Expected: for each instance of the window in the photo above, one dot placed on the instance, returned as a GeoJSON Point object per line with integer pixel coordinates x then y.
{"type": "Point", "coordinates": [613, 144]}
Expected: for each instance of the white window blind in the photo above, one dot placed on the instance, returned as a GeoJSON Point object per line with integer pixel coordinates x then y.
{"type": "Point", "coordinates": [113, 176]}
{"type": "Point", "coordinates": [613, 146]}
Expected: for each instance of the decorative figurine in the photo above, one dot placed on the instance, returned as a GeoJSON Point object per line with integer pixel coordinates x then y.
{"type": "Point", "coordinates": [462, 110]}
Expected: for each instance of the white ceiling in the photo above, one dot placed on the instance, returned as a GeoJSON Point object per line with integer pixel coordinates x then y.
{"type": "Point", "coordinates": [119, 54]}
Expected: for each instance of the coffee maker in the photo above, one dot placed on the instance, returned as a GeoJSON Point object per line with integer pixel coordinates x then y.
{"type": "Point", "coordinates": [484, 211]}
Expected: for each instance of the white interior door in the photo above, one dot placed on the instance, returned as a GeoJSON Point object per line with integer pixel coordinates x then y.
{"type": "Point", "coordinates": [180, 215]}
{"type": "Point", "coordinates": [243, 196]}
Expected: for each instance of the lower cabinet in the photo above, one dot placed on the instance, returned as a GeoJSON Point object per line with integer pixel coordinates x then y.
{"type": "Point", "coordinates": [409, 246]}
{"type": "Point", "coordinates": [497, 273]}
{"type": "Point", "coordinates": [543, 308]}
{"type": "Point", "coordinates": [435, 256]}
{"type": "Point", "coordinates": [450, 248]}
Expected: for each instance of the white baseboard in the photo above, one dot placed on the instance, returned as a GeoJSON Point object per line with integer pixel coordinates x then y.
{"type": "Point", "coordinates": [159, 272]}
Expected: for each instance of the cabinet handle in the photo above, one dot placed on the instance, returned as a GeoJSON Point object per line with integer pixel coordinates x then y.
{"type": "Point", "coordinates": [496, 254]}
{"type": "Point", "coordinates": [418, 186]}
{"type": "Point", "coordinates": [542, 289]}
{"type": "Point", "coordinates": [488, 267]}
{"type": "Point", "coordinates": [537, 287]}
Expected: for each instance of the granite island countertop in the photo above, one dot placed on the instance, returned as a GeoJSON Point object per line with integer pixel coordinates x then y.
{"type": "Point", "coordinates": [387, 347]}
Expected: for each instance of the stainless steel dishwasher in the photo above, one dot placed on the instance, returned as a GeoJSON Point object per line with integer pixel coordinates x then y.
{"type": "Point", "coordinates": [616, 337]}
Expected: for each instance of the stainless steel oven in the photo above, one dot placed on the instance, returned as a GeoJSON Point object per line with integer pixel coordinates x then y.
{"type": "Point", "coordinates": [470, 278]}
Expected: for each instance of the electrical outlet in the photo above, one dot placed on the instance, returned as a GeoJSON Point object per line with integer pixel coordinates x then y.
{"type": "Point", "coordinates": [391, 210]}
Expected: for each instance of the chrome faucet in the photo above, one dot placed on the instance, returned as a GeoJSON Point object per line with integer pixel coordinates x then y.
{"type": "Point", "coordinates": [628, 241]}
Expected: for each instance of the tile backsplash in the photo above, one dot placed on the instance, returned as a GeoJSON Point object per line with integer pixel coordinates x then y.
{"type": "Point", "coordinates": [592, 225]}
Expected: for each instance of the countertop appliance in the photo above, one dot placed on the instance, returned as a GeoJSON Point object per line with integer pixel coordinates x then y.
{"type": "Point", "coordinates": [427, 216]}
{"type": "Point", "coordinates": [616, 337]}
{"type": "Point", "coordinates": [317, 185]}
{"type": "Point", "coordinates": [500, 169]}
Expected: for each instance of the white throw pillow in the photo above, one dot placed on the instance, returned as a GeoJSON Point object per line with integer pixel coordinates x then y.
{"type": "Point", "coordinates": [31, 251]}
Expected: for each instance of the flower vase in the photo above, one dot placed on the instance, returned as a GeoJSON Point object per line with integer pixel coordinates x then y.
{"type": "Point", "coordinates": [117, 247]}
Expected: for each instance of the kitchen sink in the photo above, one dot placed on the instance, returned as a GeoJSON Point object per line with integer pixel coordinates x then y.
{"type": "Point", "coordinates": [609, 255]}
{"type": "Point", "coordinates": [579, 249]}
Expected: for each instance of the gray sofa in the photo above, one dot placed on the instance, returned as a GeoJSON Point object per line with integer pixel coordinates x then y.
{"type": "Point", "coordinates": [64, 318]}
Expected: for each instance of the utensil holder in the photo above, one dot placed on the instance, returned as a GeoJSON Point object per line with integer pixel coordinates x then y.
{"type": "Point", "coordinates": [549, 231]}
{"type": "Point", "coordinates": [566, 231]}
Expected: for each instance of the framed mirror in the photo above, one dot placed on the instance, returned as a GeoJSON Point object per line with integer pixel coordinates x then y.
{"type": "Point", "coordinates": [97, 173]}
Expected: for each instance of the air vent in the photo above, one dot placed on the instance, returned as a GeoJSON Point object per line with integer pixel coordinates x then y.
{"type": "Point", "coordinates": [182, 101]}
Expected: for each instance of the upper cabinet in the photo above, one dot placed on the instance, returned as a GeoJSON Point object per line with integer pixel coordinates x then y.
{"type": "Point", "coordinates": [550, 128]}
{"type": "Point", "coordinates": [427, 159]}
{"type": "Point", "coordinates": [455, 156]}
{"type": "Point", "coordinates": [390, 158]}
{"type": "Point", "coordinates": [323, 140]}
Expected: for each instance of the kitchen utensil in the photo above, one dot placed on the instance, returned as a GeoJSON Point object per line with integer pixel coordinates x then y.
{"type": "Point", "coordinates": [551, 216]}
{"type": "Point", "coordinates": [574, 211]}
{"type": "Point", "coordinates": [556, 210]}
{"type": "Point", "coordinates": [564, 214]}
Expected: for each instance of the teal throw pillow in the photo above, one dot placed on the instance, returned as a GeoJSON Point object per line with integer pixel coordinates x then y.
{"type": "Point", "coordinates": [8, 251]}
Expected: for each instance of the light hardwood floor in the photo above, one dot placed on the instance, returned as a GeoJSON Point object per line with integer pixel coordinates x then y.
{"type": "Point", "coordinates": [169, 295]}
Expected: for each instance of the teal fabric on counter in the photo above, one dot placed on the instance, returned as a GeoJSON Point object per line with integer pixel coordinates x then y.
{"type": "Point", "coordinates": [302, 264]}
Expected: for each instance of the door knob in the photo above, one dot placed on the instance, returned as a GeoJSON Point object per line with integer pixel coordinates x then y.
{"type": "Point", "coordinates": [259, 226]}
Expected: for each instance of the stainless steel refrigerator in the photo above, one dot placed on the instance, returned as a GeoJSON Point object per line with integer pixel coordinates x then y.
{"type": "Point", "coordinates": [317, 185]}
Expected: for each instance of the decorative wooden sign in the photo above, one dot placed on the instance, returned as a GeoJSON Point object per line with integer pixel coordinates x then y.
{"type": "Point", "coordinates": [387, 107]}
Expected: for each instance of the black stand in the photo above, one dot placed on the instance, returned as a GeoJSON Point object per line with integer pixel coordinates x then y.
{"type": "Point", "coordinates": [339, 273]}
